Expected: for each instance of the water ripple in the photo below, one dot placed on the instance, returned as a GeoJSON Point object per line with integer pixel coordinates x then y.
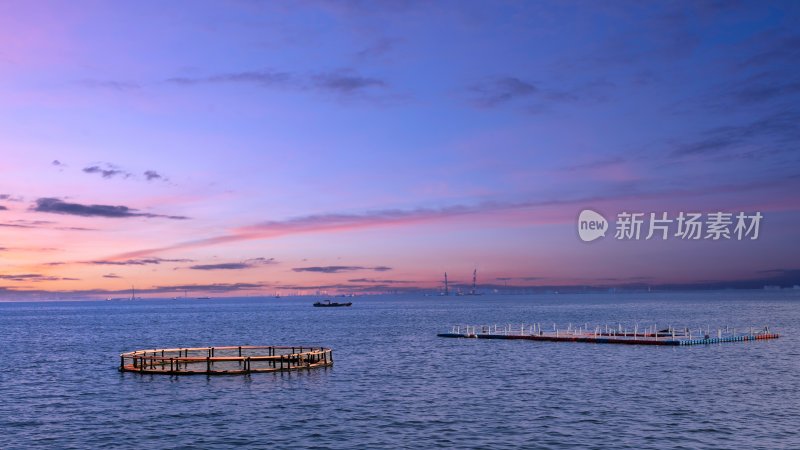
{"type": "Point", "coordinates": [395, 384]}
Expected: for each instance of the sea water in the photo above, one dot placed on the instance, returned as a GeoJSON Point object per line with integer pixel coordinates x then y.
{"type": "Point", "coordinates": [395, 384]}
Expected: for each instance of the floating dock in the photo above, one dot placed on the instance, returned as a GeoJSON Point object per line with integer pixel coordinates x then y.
{"type": "Point", "coordinates": [612, 335]}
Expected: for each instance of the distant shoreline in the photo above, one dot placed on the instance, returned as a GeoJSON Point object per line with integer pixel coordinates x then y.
{"type": "Point", "coordinates": [431, 295]}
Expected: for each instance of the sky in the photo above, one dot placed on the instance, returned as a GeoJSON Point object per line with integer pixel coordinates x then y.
{"type": "Point", "coordinates": [234, 148]}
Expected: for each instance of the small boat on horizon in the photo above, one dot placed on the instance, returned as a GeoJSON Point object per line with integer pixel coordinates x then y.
{"type": "Point", "coordinates": [329, 304]}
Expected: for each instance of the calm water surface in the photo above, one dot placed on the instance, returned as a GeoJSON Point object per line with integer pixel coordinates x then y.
{"type": "Point", "coordinates": [395, 384]}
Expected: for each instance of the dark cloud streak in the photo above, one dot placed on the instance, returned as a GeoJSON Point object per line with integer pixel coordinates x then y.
{"type": "Point", "coordinates": [58, 206]}
{"type": "Point", "coordinates": [33, 277]}
{"type": "Point", "coordinates": [136, 262]}
{"type": "Point", "coordinates": [247, 264]}
{"type": "Point", "coordinates": [11, 198]}
{"type": "Point", "coordinates": [338, 269]}
{"type": "Point", "coordinates": [345, 82]}
{"type": "Point", "coordinates": [376, 50]}
{"type": "Point", "coordinates": [499, 90]}
{"type": "Point", "coordinates": [109, 172]}
{"type": "Point", "coordinates": [115, 85]}
{"type": "Point", "coordinates": [377, 281]}
{"type": "Point", "coordinates": [222, 266]}
{"type": "Point", "coordinates": [153, 175]}
{"type": "Point", "coordinates": [778, 132]}
{"type": "Point", "coordinates": [263, 78]}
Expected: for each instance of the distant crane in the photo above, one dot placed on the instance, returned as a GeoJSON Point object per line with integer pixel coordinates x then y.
{"type": "Point", "coordinates": [474, 290]}
{"type": "Point", "coordinates": [474, 279]}
{"type": "Point", "coordinates": [446, 287]}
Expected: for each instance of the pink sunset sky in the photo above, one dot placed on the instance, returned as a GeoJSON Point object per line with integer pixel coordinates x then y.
{"type": "Point", "coordinates": [247, 148]}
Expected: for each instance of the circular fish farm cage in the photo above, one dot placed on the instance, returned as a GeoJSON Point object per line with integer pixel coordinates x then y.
{"type": "Point", "coordinates": [225, 360]}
